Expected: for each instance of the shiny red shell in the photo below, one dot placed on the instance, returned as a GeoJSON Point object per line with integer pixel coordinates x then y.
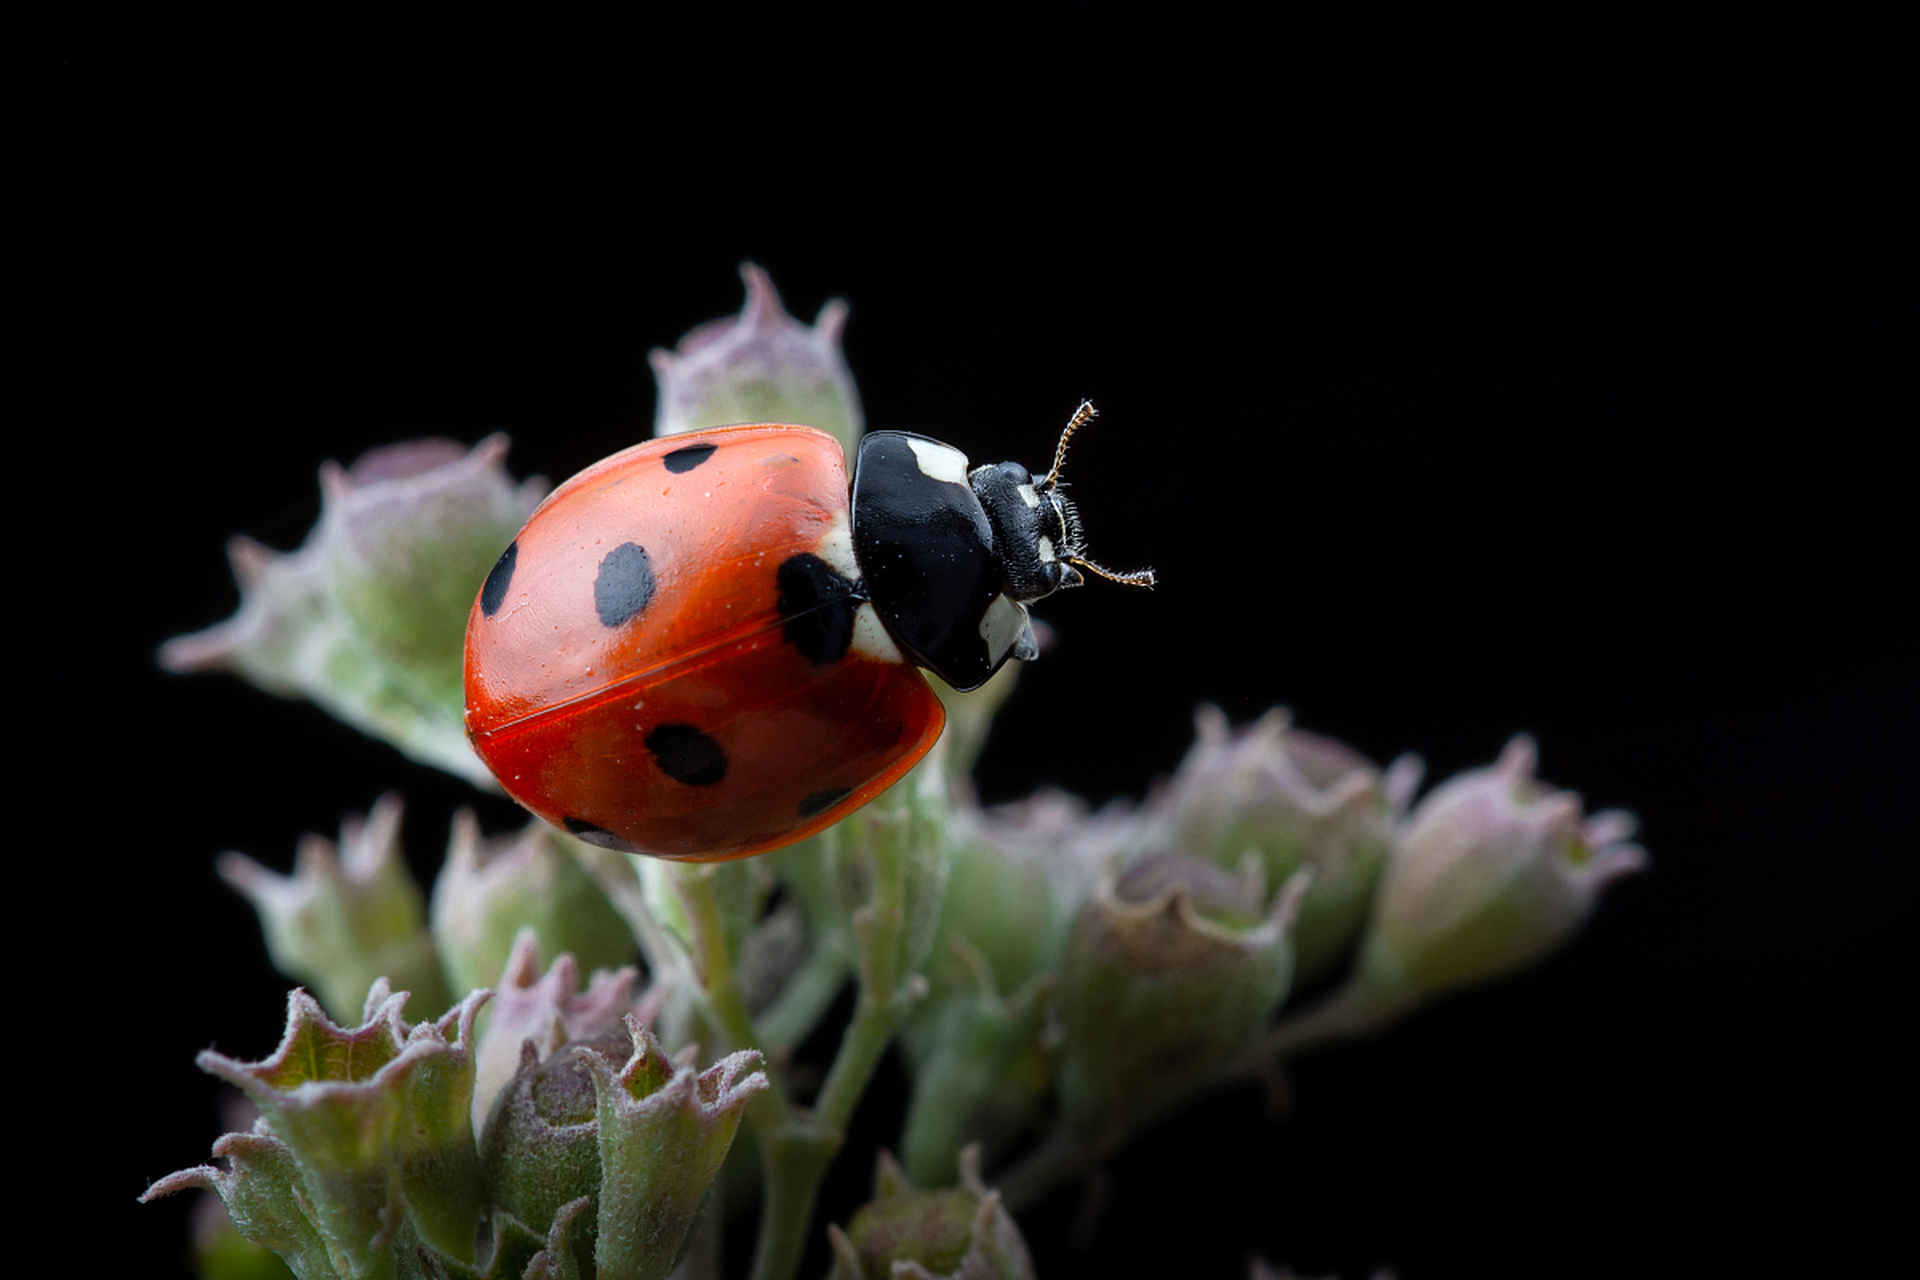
{"type": "Point", "coordinates": [581, 720]}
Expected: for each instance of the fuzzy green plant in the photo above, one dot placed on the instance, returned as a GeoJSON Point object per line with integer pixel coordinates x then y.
{"type": "Point", "coordinates": [600, 1067]}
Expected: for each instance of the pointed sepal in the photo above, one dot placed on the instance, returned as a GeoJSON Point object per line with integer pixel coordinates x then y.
{"type": "Point", "coordinates": [955, 1233]}
{"type": "Point", "coordinates": [760, 366]}
{"type": "Point", "coordinates": [349, 914]}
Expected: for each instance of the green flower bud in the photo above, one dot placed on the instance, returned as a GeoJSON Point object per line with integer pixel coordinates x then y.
{"type": "Point", "coordinates": [662, 1141]}
{"type": "Point", "coordinates": [1296, 800]}
{"type": "Point", "coordinates": [369, 617]}
{"type": "Point", "coordinates": [547, 1010]}
{"type": "Point", "coordinates": [642, 1140]}
{"type": "Point", "coordinates": [489, 890]}
{"type": "Point", "coordinates": [737, 890]}
{"type": "Point", "coordinates": [346, 916]}
{"type": "Point", "coordinates": [1170, 971]}
{"type": "Point", "coordinates": [1491, 872]}
{"type": "Point", "coordinates": [961, 1233]}
{"type": "Point", "coordinates": [981, 1062]}
{"type": "Point", "coordinates": [760, 366]}
{"type": "Point", "coordinates": [364, 1148]}
{"type": "Point", "coordinates": [980, 1071]}
{"type": "Point", "coordinates": [1019, 875]}
{"type": "Point", "coordinates": [540, 1149]}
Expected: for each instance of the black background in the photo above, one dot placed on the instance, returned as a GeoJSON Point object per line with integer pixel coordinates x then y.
{"type": "Point", "coordinates": [1457, 384]}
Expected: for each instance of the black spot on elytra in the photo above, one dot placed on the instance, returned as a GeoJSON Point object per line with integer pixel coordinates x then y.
{"type": "Point", "coordinates": [819, 605]}
{"type": "Point", "coordinates": [687, 755]}
{"type": "Point", "coordinates": [681, 461]}
{"type": "Point", "coordinates": [585, 830]}
{"type": "Point", "coordinates": [624, 584]}
{"type": "Point", "coordinates": [499, 578]}
{"type": "Point", "coordinates": [819, 802]}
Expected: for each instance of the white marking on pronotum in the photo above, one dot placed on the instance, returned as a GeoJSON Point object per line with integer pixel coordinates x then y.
{"type": "Point", "coordinates": [836, 548]}
{"type": "Point", "coordinates": [940, 461]}
{"type": "Point", "coordinates": [870, 638]}
{"type": "Point", "coordinates": [1001, 625]}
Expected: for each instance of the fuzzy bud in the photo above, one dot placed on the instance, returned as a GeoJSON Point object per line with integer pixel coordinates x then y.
{"type": "Point", "coordinates": [364, 1145]}
{"type": "Point", "coordinates": [547, 1010]}
{"type": "Point", "coordinates": [1294, 799]}
{"type": "Point", "coordinates": [1493, 870]}
{"type": "Point", "coordinates": [960, 1233]}
{"type": "Point", "coordinates": [616, 1120]}
{"type": "Point", "coordinates": [1170, 971]}
{"type": "Point", "coordinates": [368, 618]}
{"type": "Point", "coordinates": [760, 366]}
{"type": "Point", "coordinates": [347, 915]}
{"type": "Point", "coordinates": [489, 890]}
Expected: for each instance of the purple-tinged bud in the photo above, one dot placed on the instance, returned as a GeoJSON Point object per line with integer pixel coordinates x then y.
{"type": "Point", "coordinates": [1492, 871]}
{"type": "Point", "coordinates": [1296, 800]}
{"type": "Point", "coordinates": [368, 618]}
{"type": "Point", "coordinates": [1018, 875]}
{"type": "Point", "coordinates": [1170, 971]}
{"type": "Point", "coordinates": [347, 915]}
{"type": "Point", "coordinates": [644, 1140]}
{"type": "Point", "coordinates": [960, 1233]}
{"type": "Point", "coordinates": [760, 366]}
{"type": "Point", "coordinates": [540, 1149]}
{"type": "Point", "coordinates": [547, 1009]}
{"type": "Point", "coordinates": [489, 890]}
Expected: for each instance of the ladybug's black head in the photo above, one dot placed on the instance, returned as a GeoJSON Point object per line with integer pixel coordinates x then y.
{"type": "Point", "coordinates": [1036, 529]}
{"type": "Point", "coordinates": [949, 558]}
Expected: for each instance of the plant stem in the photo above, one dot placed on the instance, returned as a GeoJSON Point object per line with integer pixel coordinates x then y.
{"type": "Point", "coordinates": [785, 1023]}
{"type": "Point", "coordinates": [726, 1008]}
{"type": "Point", "coordinates": [797, 1150]}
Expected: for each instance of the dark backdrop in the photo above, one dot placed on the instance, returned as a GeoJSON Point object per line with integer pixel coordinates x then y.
{"type": "Point", "coordinates": [1454, 390]}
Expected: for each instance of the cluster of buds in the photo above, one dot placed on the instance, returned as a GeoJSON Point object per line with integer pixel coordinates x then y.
{"type": "Point", "coordinates": [364, 1160]}
{"type": "Point", "coordinates": [1118, 963]}
{"type": "Point", "coordinates": [1051, 972]}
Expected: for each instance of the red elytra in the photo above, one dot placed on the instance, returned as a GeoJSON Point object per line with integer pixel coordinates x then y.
{"type": "Point", "coordinates": [633, 677]}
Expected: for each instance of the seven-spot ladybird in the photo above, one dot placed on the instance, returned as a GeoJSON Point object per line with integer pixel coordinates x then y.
{"type": "Point", "coordinates": [703, 647]}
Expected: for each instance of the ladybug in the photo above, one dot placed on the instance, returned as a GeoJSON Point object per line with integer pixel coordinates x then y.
{"type": "Point", "coordinates": [703, 647]}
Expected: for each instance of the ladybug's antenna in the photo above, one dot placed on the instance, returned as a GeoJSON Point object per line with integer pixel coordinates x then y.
{"type": "Point", "coordinates": [1081, 417]}
{"type": "Point", "coordinates": [1134, 578]}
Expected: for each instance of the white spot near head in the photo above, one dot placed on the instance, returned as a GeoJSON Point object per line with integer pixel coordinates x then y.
{"type": "Point", "coordinates": [1002, 626]}
{"type": "Point", "coordinates": [1046, 549]}
{"type": "Point", "coordinates": [836, 548]}
{"type": "Point", "coordinates": [870, 638]}
{"type": "Point", "coordinates": [1029, 496]}
{"type": "Point", "coordinates": [940, 461]}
